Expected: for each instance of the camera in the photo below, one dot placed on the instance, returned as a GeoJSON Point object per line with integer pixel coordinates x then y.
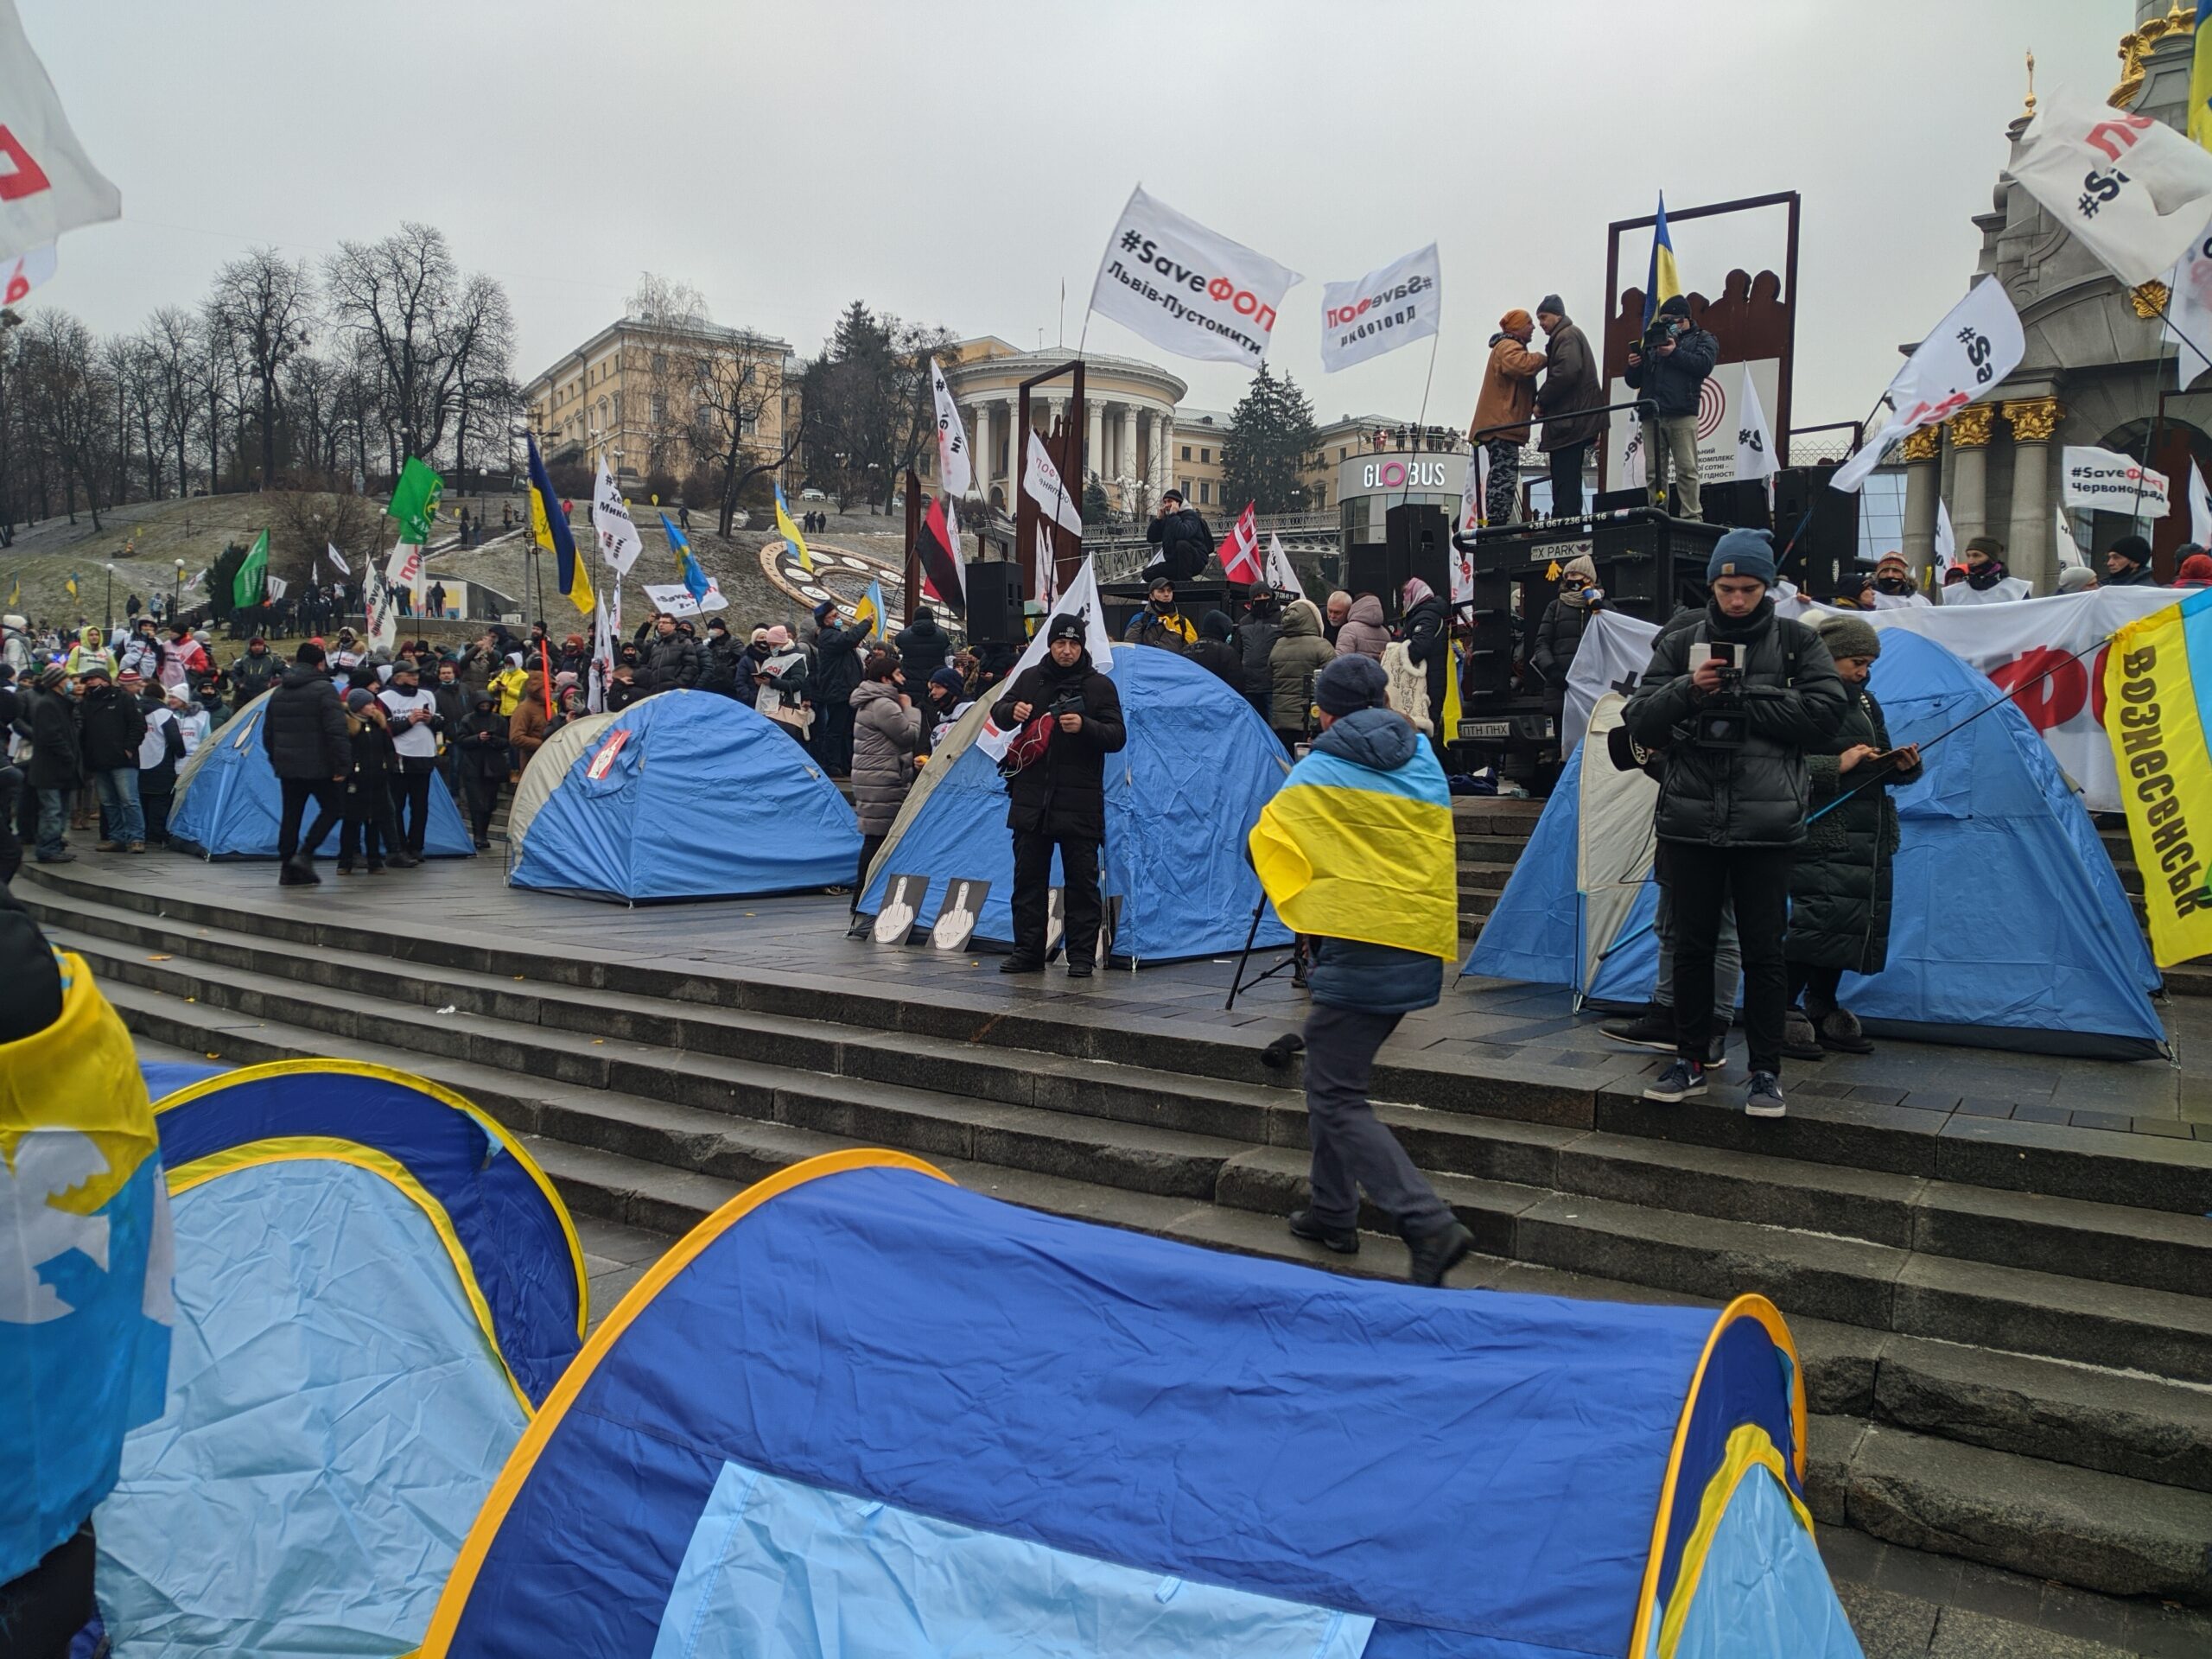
{"type": "Point", "coordinates": [1722, 723]}
{"type": "Point", "coordinates": [1662, 329]}
{"type": "Point", "coordinates": [1069, 702]}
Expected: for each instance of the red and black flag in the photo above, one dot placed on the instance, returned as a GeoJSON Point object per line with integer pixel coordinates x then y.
{"type": "Point", "coordinates": [938, 546]}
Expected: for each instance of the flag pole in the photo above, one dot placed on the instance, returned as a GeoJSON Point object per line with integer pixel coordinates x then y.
{"type": "Point", "coordinates": [1421, 420]}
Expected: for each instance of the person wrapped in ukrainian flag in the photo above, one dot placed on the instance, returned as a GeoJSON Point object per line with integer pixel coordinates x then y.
{"type": "Point", "coordinates": [1357, 850]}
{"type": "Point", "coordinates": [85, 1279]}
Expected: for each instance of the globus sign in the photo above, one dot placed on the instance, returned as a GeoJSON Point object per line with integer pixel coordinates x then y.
{"type": "Point", "coordinates": [1392, 474]}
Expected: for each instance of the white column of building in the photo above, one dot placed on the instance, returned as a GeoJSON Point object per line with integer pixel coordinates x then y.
{"type": "Point", "coordinates": [1094, 454]}
{"type": "Point", "coordinates": [979, 445]}
{"type": "Point", "coordinates": [1126, 459]}
{"type": "Point", "coordinates": [1163, 451]}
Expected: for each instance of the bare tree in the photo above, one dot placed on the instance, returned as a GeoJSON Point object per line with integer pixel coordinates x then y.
{"type": "Point", "coordinates": [68, 401]}
{"type": "Point", "coordinates": [267, 307]}
{"type": "Point", "coordinates": [172, 346]}
{"type": "Point", "coordinates": [405, 298]}
{"type": "Point", "coordinates": [674, 328]}
{"type": "Point", "coordinates": [480, 343]}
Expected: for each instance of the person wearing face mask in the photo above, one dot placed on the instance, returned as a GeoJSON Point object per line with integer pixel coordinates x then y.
{"type": "Point", "coordinates": [1893, 585]}
{"type": "Point", "coordinates": [2127, 564]}
{"type": "Point", "coordinates": [479, 750]}
{"type": "Point", "coordinates": [1559, 635]}
{"type": "Point", "coordinates": [1161, 623]}
{"type": "Point", "coordinates": [1987, 581]}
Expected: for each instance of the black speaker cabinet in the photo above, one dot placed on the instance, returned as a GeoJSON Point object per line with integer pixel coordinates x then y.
{"type": "Point", "coordinates": [1367, 570]}
{"type": "Point", "coordinates": [1419, 538]}
{"type": "Point", "coordinates": [1815, 530]}
{"type": "Point", "coordinates": [995, 598]}
{"type": "Point", "coordinates": [1740, 504]}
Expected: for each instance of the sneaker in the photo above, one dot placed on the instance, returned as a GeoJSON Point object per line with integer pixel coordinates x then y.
{"type": "Point", "coordinates": [1344, 1241]}
{"type": "Point", "coordinates": [57, 858]}
{"type": "Point", "coordinates": [1677, 1083]}
{"type": "Point", "coordinates": [1435, 1253]}
{"type": "Point", "coordinates": [1763, 1097]}
{"type": "Point", "coordinates": [135, 847]}
{"type": "Point", "coordinates": [402, 861]}
{"type": "Point", "coordinates": [1840, 1030]}
{"type": "Point", "coordinates": [108, 847]}
{"type": "Point", "coordinates": [1799, 1041]}
{"type": "Point", "coordinates": [1653, 1028]}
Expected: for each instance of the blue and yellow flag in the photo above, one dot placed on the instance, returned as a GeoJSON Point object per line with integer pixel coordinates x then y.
{"type": "Point", "coordinates": [694, 575]}
{"type": "Point", "coordinates": [789, 530]}
{"type": "Point", "coordinates": [1351, 853]}
{"type": "Point", "coordinates": [70, 586]}
{"type": "Point", "coordinates": [549, 528]}
{"type": "Point", "coordinates": [869, 611]}
{"type": "Point", "coordinates": [2200, 79]}
{"type": "Point", "coordinates": [1664, 282]}
{"type": "Point", "coordinates": [2157, 689]}
{"type": "Point", "coordinates": [85, 1303]}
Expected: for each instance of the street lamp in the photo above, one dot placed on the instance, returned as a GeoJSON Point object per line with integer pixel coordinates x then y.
{"type": "Point", "coordinates": [176, 592]}
{"type": "Point", "coordinates": [111, 596]}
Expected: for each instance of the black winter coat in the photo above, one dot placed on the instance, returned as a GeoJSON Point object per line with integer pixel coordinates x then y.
{"type": "Point", "coordinates": [1183, 542]}
{"type": "Point", "coordinates": [1672, 381]}
{"type": "Point", "coordinates": [303, 727]}
{"type": "Point", "coordinates": [923, 647]}
{"type": "Point", "coordinates": [1570, 387]}
{"type": "Point", "coordinates": [1559, 636]}
{"type": "Point", "coordinates": [1063, 793]}
{"type": "Point", "coordinates": [720, 663]}
{"type": "Point", "coordinates": [481, 741]}
{"type": "Point", "coordinates": [836, 671]}
{"type": "Point", "coordinates": [159, 778]}
{"type": "Point", "coordinates": [110, 725]}
{"type": "Point", "coordinates": [1754, 795]}
{"type": "Point", "coordinates": [57, 756]}
{"type": "Point", "coordinates": [666, 665]}
{"type": "Point", "coordinates": [250, 676]}
{"type": "Point", "coordinates": [1219, 658]}
{"type": "Point", "coordinates": [1840, 886]}
{"type": "Point", "coordinates": [2138, 575]}
{"type": "Point", "coordinates": [1428, 642]}
{"type": "Point", "coordinates": [1256, 638]}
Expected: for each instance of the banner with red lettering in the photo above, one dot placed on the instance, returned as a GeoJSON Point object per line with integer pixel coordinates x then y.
{"type": "Point", "coordinates": [48, 184]}
{"type": "Point", "coordinates": [1188, 289]}
{"type": "Point", "coordinates": [2049, 653]}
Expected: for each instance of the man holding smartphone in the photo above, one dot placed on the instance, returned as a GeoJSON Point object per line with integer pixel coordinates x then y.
{"type": "Point", "coordinates": [1733, 697]}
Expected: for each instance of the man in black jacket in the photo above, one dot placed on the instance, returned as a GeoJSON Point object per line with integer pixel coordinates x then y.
{"type": "Point", "coordinates": [256, 671]}
{"type": "Point", "coordinates": [924, 646]}
{"type": "Point", "coordinates": [111, 725]}
{"type": "Point", "coordinates": [668, 661]}
{"type": "Point", "coordinates": [1568, 392]}
{"type": "Point", "coordinates": [1670, 378]}
{"type": "Point", "coordinates": [57, 765]}
{"type": "Point", "coordinates": [719, 660]}
{"type": "Point", "coordinates": [2127, 564]}
{"type": "Point", "coordinates": [303, 731]}
{"type": "Point", "coordinates": [1058, 799]}
{"type": "Point", "coordinates": [1733, 697]}
{"type": "Point", "coordinates": [1182, 537]}
{"type": "Point", "coordinates": [830, 684]}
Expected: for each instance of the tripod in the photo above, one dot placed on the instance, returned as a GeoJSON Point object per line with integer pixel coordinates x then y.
{"type": "Point", "coordinates": [1294, 959]}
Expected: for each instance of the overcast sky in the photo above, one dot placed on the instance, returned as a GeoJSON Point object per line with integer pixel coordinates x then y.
{"type": "Point", "coordinates": [958, 161]}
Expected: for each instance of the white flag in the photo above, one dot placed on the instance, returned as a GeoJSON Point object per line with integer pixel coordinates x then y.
{"type": "Point", "coordinates": [2107, 481]}
{"type": "Point", "coordinates": [1282, 575]}
{"type": "Point", "coordinates": [1186, 289]}
{"type": "Point", "coordinates": [2133, 191]}
{"type": "Point", "coordinates": [953, 471]}
{"type": "Point", "coordinates": [1471, 493]}
{"type": "Point", "coordinates": [48, 184]}
{"type": "Point", "coordinates": [1081, 599]}
{"type": "Point", "coordinates": [1047, 583]}
{"type": "Point", "coordinates": [603, 656]}
{"type": "Point", "coordinates": [1634, 475]}
{"type": "Point", "coordinates": [380, 615]}
{"type": "Point", "coordinates": [1044, 486]}
{"type": "Point", "coordinates": [1380, 311]}
{"type": "Point", "coordinates": [1755, 456]}
{"type": "Point", "coordinates": [1978, 343]}
{"type": "Point", "coordinates": [19, 275]}
{"type": "Point", "coordinates": [610, 517]}
{"type": "Point", "coordinates": [275, 587]}
{"type": "Point", "coordinates": [1946, 541]}
{"type": "Point", "coordinates": [2069, 550]}
{"type": "Point", "coordinates": [672, 597]}
{"type": "Point", "coordinates": [2200, 507]}
{"type": "Point", "coordinates": [2189, 311]}
{"type": "Point", "coordinates": [405, 570]}
{"type": "Point", "coordinates": [338, 559]}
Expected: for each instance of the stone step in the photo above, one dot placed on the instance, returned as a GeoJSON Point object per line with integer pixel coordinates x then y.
{"type": "Point", "coordinates": [1502, 849]}
{"type": "Point", "coordinates": [1483, 875]}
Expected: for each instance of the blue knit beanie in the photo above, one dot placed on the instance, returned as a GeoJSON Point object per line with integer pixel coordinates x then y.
{"type": "Point", "coordinates": [1350, 684]}
{"type": "Point", "coordinates": [1743, 553]}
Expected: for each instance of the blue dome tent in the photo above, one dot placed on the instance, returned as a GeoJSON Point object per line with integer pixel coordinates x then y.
{"type": "Point", "coordinates": [1180, 798]}
{"type": "Point", "coordinates": [228, 803]}
{"type": "Point", "coordinates": [375, 1286]}
{"type": "Point", "coordinates": [859, 1410]}
{"type": "Point", "coordinates": [1990, 825]}
{"type": "Point", "coordinates": [681, 795]}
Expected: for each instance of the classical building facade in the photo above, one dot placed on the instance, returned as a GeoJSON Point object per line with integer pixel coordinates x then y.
{"type": "Point", "coordinates": [1129, 409]}
{"type": "Point", "coordinates": [2095, 368]}
{"type": "Point", "coordinates": [613, 397]}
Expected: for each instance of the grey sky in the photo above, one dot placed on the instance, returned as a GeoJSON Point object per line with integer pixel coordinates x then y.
{"type": "Point", "coordinates": [788, 158]}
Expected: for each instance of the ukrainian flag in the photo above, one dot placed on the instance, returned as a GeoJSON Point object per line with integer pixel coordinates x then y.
{"type": "Point", "coordinates": [86, 1302]}
{"type": "Point", "coordinates": [2158, 687]}
{"type": "Point", "coordinates": [549, 528]}
{"type": "Point", "coordinates": [1664, 281]}
{"type": "Point", "coordinates": [870, 609]}
{"type": "Point", "coordinates": [789, 530]}
{"type": "Point", "coordinates": [1351, 853]}
{"type": "Point", "coordinates": [2200, 79]}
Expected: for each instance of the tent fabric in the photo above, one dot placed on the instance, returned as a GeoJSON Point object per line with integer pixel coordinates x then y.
{"type": "Point", "coordinates": [768, 1556]}
{"type": "Point", "coordinates": [1181, 798]}
{"type": "Point", "coordinates": [549, 766]}
{"type": "Point", "coordinates": [1614, 849]}
{"type": "Point", "coordinates": [698, 797]}
{"type": "Point", "coordinates": [166, 1076]}
{"type": "Point", "coordinates": [1990, 826]}
{"type": "Point", "coordinates": [335, 1417]}
{"type": "Point", "coordinates": [228, 803]}
{"type": "Point", "coordinates": [1489, 1475]}
{"type": "Point", "coordinates": [504, 1215]}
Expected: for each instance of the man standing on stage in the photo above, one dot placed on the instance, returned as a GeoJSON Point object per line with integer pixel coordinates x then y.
{"type": "Point", "coordinates": [1569, 388]}
{"type": "Point", "coordinates": [1670, 367]}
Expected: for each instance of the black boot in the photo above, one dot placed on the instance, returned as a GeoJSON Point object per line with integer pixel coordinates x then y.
{"type": "Point", "coordinates": [1344, 1241]}
{"type": "Point", "coordinates": [1434, 1254]}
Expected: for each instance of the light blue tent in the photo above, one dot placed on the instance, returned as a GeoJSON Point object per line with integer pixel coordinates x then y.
{"type": "Point", "coordinates": [2009, 927]}
{"type": "Point", "coordinates": [861, 1412]}
{"type": "Point", "coordinates": [1180, 798]}
{"type": "Point", "coordinates": [683, 795]}
{"type": "Point", "coordinates": [227, 803]}
{"type": "Point", "coordinates": [375, 1287]}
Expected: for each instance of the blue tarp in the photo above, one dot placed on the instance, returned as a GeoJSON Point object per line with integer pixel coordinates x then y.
{"type": "Point", "coordinates": [702, 798]}
{"type": "Point", "coordinates": [1476, 1473]}
{"type": "Point", "coordinates": [1180, 798]}
{"type": "Point", "coordinates": [2009, 926]}
{"type": "Point", "coordinates": [228, 802]}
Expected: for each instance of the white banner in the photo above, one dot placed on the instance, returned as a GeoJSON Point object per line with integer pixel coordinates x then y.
{"type": "Point", "coordinates": [2109, 482]}
{"type": "Point", "coordinates": [610, 519]}
{"type": "Point", "coordinates": [1471, 492]}
{"type": "Point", "coordinates": [338, 559]}
{"type": "Point", "coordinates": [2189, 309]}
{"type": "Point", "coordinates": [675, 597]}
{"type": "Point", "coordinates": [275, 587]}
{"type": "Point", "coordinates": [954, 474]}
{"type": "Point", "coordinates": [2132, 191]}
{"type": "Point", "coordinates": [1282, 575]}
{"type": "Point", "coordinates": [19, 275]}
{"type": "Point", "coordinates": [1382, 311]}
{"type": "Point", "coordinates": [1755, 456]}
{"type": "Point", "coordinates": [48, 184]}
{"type": "Point", "coordinates": [2200, 507]}
{"type": "Point", "coordinates": [1719, 420]}
{"type": "Point", "coordinates": [405, 570]}
{"type": "Point", "coordinates": [2014, 644]}
{"type": "Point", "coordinates": [603, 656]}
{"type": "Point", "coordinates": [1978, 343]}
{"type": "Point", "coordinates": [380, 615]}
{"type": "Point", "coordinates": [1043, 483]}
{"type": "Point", "coordinates": [1186, 289]}
{"type": "Point", "coordinates": [1947, 539]}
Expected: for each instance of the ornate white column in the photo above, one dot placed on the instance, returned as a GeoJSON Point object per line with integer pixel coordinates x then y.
{"type": "Point", "coordinates": [979, 446]}
{"type": "Point", "coordinates": [1970, 429]}
{"type": "Point", "coordinates": [2029, 550]}
{"type": "Point", "coordinates": [1165, 450]}
{"type": "Point", "coordinates": [1125, 459]}
{"type": "Point", "coordinates": [1923, 485]}
{"type": "Point", "coordinates": [1094, 454]}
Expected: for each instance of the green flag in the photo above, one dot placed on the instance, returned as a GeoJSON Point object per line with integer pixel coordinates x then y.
{"type": "Point", "coordinates": [246, 587]}
{"type": "Point", "coordinates": [414, 501]}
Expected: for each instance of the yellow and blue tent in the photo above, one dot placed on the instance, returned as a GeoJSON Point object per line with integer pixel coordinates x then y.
{"type": "Point", "coordinates": [375, 1286]}
{"type": "Point", "coordinates": [860, 1411]}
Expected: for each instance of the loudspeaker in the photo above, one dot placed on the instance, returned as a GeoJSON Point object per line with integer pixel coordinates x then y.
{"type": "Point", "coordinates": [1816, 529]}
{"type": "Point", "coordinates": [1367, 570]}
{"type": "Point", "coordinates": [1740, 504]}
{"type": "Point", "coordinates": [995, 598]}
{"type": "Point", "coordinates": [1419, 538]}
